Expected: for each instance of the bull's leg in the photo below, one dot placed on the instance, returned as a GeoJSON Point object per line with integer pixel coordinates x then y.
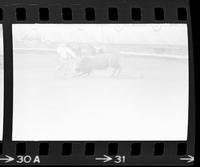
{"type": "Point", "coordinates": [116, 71]}
{"type": "Point", "coordinates": [82, 74]}
{"type": "Point", "coordinates": [119, 71]}
{"type": "Point", "coordinates": [86, 74]}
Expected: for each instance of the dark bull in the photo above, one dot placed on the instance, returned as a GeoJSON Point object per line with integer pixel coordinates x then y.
{"type": "Point", "coordinates": [99, 62]}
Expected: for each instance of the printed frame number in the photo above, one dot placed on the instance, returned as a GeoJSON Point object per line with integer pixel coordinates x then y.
{"type": "Point", "coordinates": [120, 159]}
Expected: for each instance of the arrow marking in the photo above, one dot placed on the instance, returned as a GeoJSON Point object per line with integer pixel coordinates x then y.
{"type": "Point", "coordinates": [104, 159]}
{"type": "Point", "coordinates": [189, 159]}
{"type": "Point", "coordinates": [7, 159]}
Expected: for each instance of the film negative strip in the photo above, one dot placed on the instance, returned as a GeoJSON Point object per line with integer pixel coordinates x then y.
{"type": "Point", "coordinates": [97, 83]}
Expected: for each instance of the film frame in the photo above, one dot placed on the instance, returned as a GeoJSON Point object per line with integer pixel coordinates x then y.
{"type": "Point", "coordinates": [50, 152]}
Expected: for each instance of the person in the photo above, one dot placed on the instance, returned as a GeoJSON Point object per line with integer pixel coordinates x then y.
{"type": "Point", "coordinates": [67, 60]}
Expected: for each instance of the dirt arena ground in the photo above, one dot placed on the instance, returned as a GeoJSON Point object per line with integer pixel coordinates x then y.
{"type": "Point", "coordinates": [149, 97]}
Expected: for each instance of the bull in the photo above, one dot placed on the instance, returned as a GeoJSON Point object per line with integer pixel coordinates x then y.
{"type": "Point", "coordinates": [88, 64]}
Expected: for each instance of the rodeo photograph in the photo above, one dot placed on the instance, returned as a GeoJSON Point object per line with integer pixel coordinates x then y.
{"type": "Point", "coordinates": [97, 80]}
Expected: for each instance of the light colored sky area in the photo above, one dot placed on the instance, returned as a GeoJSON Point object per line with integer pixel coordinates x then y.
{"type": "Point", "coordinates": [167, 34]}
